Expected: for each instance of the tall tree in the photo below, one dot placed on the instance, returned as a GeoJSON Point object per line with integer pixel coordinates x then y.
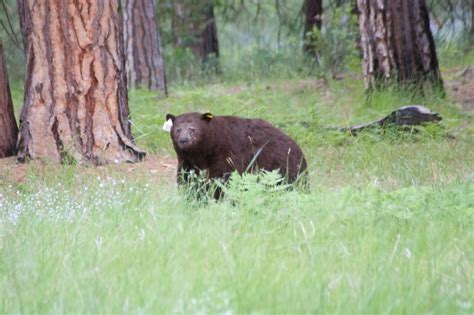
{"type": "Point", "coordinates": [75, 105]}
{"type": "Point", "coordinates": [144, 59]}
{"type": "Point", "coordinates": [397, 43]}
{"type": "Point", "coordinates": [8, 127]}
{"type": "Point", "coordinates": [313, 11]}
{"type": "Point", "coordinates": [194, 26]}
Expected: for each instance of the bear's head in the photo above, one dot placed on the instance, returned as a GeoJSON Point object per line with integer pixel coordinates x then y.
{"type": "Point", "coordinates": [189, 130]}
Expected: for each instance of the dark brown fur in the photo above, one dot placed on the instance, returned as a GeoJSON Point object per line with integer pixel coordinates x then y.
{"type": "Point", "coordinates": [222, 144]}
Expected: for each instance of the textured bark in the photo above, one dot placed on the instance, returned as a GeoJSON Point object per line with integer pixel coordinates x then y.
{"type": "Point", "coordinates": [313, 10]}
{"type": "Point", "coordinates": [8, 128]}
{"type": "Point", "coordinates": [75, 105]}
{"type": "Point", "coordinates": [144, 59]}
{"type": "Point", "coordinates": [397, 43]}
{"type": "Point", "coordinates": [194, 26]}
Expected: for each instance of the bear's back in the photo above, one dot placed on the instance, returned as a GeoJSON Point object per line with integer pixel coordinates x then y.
{"type": "Point", "coordinates": [242, 139]}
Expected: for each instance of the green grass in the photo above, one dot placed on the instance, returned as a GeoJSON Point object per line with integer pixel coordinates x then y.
{"type": "Point", "coordinates": [107, 245]}
{"type": "Point", "coordinates": [387, 226]}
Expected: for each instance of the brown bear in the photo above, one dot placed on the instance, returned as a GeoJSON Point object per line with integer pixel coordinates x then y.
{"type": "Point", "coordinates": [223, 144]}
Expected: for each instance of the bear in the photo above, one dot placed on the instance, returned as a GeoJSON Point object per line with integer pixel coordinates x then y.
{"type": "Point", "coordinates": [220, 145]}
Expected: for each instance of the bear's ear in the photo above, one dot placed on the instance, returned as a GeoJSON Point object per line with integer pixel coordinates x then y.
{"type": "Point", "coordinates": [207, 116]}
{"type": "Point", "coordinates": [170, 116]}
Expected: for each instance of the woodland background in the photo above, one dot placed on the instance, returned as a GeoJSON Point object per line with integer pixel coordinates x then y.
{"type": "Point", "coordinates": [388, 223]}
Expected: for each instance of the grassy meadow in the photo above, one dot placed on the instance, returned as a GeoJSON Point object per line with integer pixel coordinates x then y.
{"type": "Point", "coordinates": [386, 228]}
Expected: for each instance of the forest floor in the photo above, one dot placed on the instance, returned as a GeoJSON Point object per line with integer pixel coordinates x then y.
{"type": "Point", "coordinates": [459, 86]}
{"type": "Point", "coordinates": [160, 166]}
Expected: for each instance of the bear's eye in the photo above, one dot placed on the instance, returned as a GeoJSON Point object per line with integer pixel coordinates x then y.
{"type": "Point", "coordinates": [191, 129]}
{"type": "Point", "coordinates": [178, 130]}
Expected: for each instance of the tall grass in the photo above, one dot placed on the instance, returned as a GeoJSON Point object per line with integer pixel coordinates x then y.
{"type": "Point", "coordinates": [75, 243]}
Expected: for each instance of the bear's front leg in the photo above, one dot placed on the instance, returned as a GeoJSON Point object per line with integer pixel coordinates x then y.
{"type": "Point", "coordinates": [184, 172]}
{"type": "Point", "coordinates": [221, 171]}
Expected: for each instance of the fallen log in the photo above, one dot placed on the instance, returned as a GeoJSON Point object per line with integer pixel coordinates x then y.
{"type": "Point", "coordinates": [411, 115]}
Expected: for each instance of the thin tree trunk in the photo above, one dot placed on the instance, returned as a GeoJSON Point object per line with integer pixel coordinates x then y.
{"type": "Point", "coordinates": [75, 106]}
{"type": "Point", "coordinates": [194, 26]}
{"type": "Point", "coordinates": [472, 22]}
{"type": "Point", "coordinates": [313, 10]}
{"type": "Point", "coordinates": [8, 127]}
{"type": "Point", "coordinates": [209, 41]}
{"type": "Point", "coordinates": [397, 43]}
{"type": "Point", "coordinates": [144, 59]}
{"type": "Point", "coordinates": [23, 23]}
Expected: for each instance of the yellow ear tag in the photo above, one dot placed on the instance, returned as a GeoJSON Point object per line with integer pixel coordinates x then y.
{"type": "Point", "coordinates": [209, 116]}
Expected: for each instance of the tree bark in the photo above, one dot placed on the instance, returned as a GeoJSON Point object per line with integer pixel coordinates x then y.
{"type": "Point", "coordinates": [313, 10]}
{"type": "Point", "coordinates": [397, 43]}
{"type": "Point", "coordinates": [194, 26]}
{"type": "Point", "coordinates": [144, 58]}
{"type": "Point", "coordinates": [75, 106]}
{"type": "Point", "coordinates": [8, 127]}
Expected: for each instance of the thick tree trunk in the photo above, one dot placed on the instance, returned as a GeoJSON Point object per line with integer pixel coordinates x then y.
{"type": "Point", "coordinates": [144, 59]}
{"type": "Point", "coordinates": [397, 43]}
{"type": "Point", "coordinates": [75, 105]}
{"type": "Point", "coordinates": [313, 10]}
{"type": "Point", "coordinates": [194, 26]}
{"type": "Point", "coordinates": [8, 128]}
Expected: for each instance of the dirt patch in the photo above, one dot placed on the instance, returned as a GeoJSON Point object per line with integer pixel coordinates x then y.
{"type": "Point", "coordinates": [155, 165]}
{"type": "Point", "coordinates": [11, 171]}
{"type": "Point", "coordinates": [299, 85]}
{"type": "Point", "coordinates": [464, 95]}
{"type": "Point", "coordinates": [286, 85]}
{"type": "Point", "coordinates": [232, 90]}
{"type": "Point", "coordinates": [161, 167]}
{"type": "Point", "coordinates": [461, 88]}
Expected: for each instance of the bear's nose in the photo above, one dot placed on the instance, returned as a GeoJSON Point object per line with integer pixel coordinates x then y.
{"type": "Point", "coordinates": [183, 141]}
